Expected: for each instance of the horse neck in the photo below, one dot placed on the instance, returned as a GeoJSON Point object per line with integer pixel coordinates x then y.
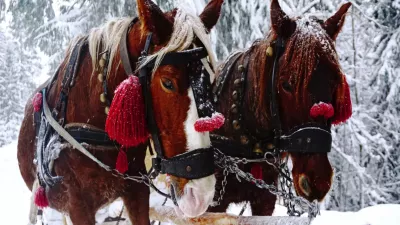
{"type": "Point", "coordinates": [256, 101]}
{"type": "Point", "coordinates": [85, 95]}
{"type": "Point", "coordinates": [255, 104]}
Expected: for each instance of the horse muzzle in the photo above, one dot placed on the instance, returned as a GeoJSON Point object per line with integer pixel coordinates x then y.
{"type": "Point", "coordinates": [193, 197]}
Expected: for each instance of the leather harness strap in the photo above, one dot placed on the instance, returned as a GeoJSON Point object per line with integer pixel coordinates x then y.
{"type": "Point", "coordinates": [123, 48]}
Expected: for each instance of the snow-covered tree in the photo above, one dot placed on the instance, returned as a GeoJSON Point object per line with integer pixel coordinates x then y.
{"type": "Point", "coordinates": [18, 69]}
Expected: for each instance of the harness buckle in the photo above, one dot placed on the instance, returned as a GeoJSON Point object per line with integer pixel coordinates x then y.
{"type": "Point", "coordinates": [156, 164]}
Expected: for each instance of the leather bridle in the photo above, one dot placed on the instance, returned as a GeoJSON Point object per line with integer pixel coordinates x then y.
{"type": "Point", "coordinates": [193, 164]}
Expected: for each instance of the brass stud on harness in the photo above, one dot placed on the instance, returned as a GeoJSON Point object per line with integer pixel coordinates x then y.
{"type": "Point", "coordinates": [234, 109]}
{"type": "Point", "coordinates": [107, 110]}
{"type": "Point", "coordinates": [100, 77]}
{"type": "Point", "coordinates": [236, 125]}
{"type": "Point", "coordinates": [244, 140]}
{"type": "Point", "coordinates": [102, 62]}
{"type": "Point", "coordinates": [102, 97]}
{"type": "Point", "coordinates": [188, 169]}
{"type": "Point", "coordinates": [237, 82]}
{"type": "Point", "coordinates": [269, 51]}
{"type": "Point", "coordinates": [240, 68]}
{"type": "Point", "coordinates": [270, 146]}
{"type": "Point", "coordinates": [258, 151]}
{"type": "Point", "coordinates": [235, 95]}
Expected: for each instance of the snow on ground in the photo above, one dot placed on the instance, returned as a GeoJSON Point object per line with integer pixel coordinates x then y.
{"type": "Point", "coordinates": [15, 197]}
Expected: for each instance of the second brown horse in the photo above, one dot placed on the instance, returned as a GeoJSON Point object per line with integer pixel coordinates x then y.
{"type": "Point", "coordinates": [310, 88]}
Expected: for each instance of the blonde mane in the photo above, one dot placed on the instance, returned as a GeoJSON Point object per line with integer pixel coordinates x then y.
{"type": "Point", "coordinates": [186, 28]}
{"type": "Point", "coordinates": [107, 38]}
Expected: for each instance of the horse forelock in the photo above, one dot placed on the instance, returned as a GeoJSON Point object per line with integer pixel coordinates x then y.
{"type": "Point", "coordinates": [187, 27]}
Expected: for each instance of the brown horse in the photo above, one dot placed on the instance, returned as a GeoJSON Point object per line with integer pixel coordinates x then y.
{"type": "Point", "coordinates": [309, 88]}
{"type": "Point", "coordinates": [86, 186]}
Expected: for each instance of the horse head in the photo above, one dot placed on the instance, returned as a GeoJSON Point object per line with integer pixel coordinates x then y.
{"type": "Point", "coordinates": [312, 89]}
{"type": "Point", "coordinates": [182, 112]}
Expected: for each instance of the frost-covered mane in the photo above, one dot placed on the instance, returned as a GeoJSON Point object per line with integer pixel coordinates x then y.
{"type": "Point", "coordinates": [186, 28]}
{"type": "Point", "coordinates": [306, 46]}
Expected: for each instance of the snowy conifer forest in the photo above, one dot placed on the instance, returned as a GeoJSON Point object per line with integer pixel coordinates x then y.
{"type": "Point", "coordinates": [366, 149]}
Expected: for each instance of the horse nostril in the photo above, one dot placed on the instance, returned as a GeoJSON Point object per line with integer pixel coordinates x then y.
{"type": "Point", "coordinates": [305, 185]}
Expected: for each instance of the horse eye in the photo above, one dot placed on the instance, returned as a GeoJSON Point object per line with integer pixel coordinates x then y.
{"type": "Point", "coordinates": [286, 86]}
{"type": "Point", "coordinates": [167, 84]}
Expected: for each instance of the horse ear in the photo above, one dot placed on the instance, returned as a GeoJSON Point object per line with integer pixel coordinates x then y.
{"type": "Point", "coordinates": [211, 13]}
{"type": "Point", "coordinates": [281, 23]}
{"type": "Point", "coordinates": [154, 20]}
{"type": "Point", "coordinates": [334, 24]}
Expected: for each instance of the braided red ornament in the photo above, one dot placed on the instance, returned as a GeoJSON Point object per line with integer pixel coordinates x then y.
{"type": "Point", "coordinates": [126, 119]}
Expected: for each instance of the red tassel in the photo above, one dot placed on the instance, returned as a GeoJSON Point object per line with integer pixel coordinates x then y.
{"type": "Point", "coordinates": [343, 108]}
{"type": "Point", "coordinates": [41, 198]}
{"type": "Point", "coordinates": [257, 171]}
{"type": "Point", "coordinates": [126, 119]}
{"type": "Point", "coordinates": [122, 161]}
{"type": "Point", "coordinates": [37, 102]}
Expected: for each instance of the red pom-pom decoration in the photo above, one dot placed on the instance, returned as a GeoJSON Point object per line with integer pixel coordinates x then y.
{"type": "Point", "coordinates": [322, 109]}
{"type": "Point", "coordinates": [41, 198]}
{"type": "Point", "coordinates": [37, 102]}
{"type": "Point", "coordinates": [209, 124]}
{"type": "Point", "coordinates": [126, 119]}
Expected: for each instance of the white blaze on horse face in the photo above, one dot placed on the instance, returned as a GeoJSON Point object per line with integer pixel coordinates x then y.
{"type": "Point", "coordinates": [198, 193]}
{"type": "Point", "coordinates": [194, 139]}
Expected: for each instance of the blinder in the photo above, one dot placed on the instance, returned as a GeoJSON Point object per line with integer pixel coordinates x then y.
{"type": "Point", "coordinates": [193, 164]}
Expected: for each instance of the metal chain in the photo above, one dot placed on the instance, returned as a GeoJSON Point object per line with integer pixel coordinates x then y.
{"type": "Point", "coordinates": [231, 164]}
{"type": "Point", "coordinates": [286, 185]}
{"type": "Point", "coordinates": [223, 186]}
